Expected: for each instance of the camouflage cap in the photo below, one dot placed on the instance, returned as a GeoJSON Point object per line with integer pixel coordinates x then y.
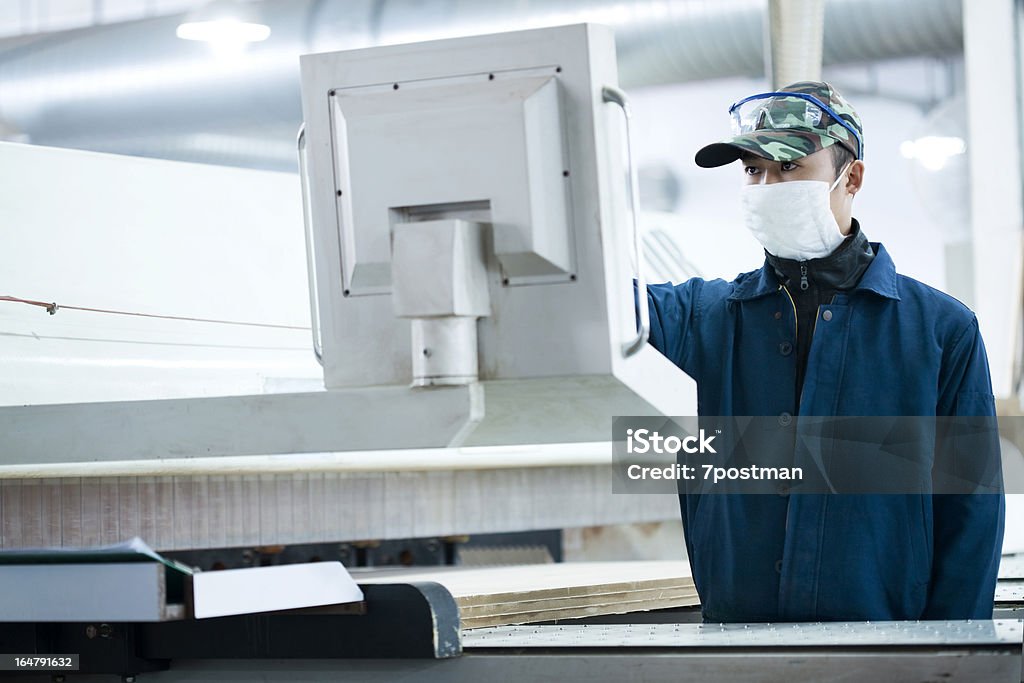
{"type": "Point", "coordinates": [795, 138]}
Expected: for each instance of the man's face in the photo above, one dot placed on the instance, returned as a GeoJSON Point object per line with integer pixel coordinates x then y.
{"type": "Point", "coordinates": [817, 166]}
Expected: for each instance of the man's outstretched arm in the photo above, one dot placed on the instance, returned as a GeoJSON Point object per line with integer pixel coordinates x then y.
{"type": "Point", "coordinates": [673, 310]}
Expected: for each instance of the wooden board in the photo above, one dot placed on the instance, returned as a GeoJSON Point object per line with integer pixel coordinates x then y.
{"type": "Point", "coordinates": [495, 596]}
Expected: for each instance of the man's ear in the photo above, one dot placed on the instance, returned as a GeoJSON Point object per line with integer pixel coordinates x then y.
{"type": "Point", "coordinates": [856, 177]}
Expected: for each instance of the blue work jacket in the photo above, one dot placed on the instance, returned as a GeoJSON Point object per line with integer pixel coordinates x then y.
{"type": "Point", "coordinates": [891, 346]}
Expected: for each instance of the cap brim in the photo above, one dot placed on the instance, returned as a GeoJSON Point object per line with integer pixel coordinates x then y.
{"type": "Point", "coordinates": [774, 145]}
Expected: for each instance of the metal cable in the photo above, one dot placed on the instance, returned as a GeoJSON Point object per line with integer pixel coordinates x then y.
{"type": "Point", "coordinates": [53, 307]}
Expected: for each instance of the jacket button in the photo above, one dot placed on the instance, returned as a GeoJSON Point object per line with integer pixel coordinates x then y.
{"type": "Point", "coordinates": [785, 419]}
{"type": "Point", "coordinates": [778, 315]}
{"type": "Point", "coordinates": [785, 348]}
{"type": "Point", "coordinates": [778, 566]}
{"type": "Point", "coordinates": [826, 315]}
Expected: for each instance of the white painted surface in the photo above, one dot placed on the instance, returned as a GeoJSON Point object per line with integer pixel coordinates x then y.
{"type": "Point", "coordinates": [552, 331]}
{"type": "Point", "coordinates": [170, 238]}
{"type": "Point", "coordinates": [450, 140]}
{"type": "Point", "coordinates": [123, 591]}
{"type": "Point", "coordinates": [266, 589]}
{"type": "Point", "coordinates": [400, 460]}
{"type": "Point", "coordinates": [992, 60]}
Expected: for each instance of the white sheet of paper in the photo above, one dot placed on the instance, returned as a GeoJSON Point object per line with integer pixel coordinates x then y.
{"type": "Point", "coordinates": [266, 589]}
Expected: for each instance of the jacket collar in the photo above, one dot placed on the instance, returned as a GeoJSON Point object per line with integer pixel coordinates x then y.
{"type": "Point", "coordinates": [839, 270]}
{"type": "Point", "coordinates": [880, 278]}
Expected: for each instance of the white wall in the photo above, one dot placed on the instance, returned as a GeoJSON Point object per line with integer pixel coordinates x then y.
{"type": "Point", "coordinates": [19, 17]}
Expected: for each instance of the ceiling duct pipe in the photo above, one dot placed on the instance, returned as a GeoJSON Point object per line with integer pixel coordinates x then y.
{"type": "Point", "coordinates": [796, 32]}
{"type": "Point", "coordinates": [135, 88]}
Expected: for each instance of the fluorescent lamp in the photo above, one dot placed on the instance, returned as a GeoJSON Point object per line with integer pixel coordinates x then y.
{"type": "Point", "coordinates": [223, 30]}
{"type": "Point", "coordinates": [933, 151]}
{"type": "Point", "coordinates": [227, 26]}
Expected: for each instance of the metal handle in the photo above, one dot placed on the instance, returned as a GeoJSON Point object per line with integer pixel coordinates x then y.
{"type": "Point", "coordinates": [615, 96]}
{"type": "Point", "coordinates": [314, 305]}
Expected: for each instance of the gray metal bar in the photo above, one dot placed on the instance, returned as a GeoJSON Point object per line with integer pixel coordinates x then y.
{"type": "Point", "coordinates": [266, 424]}
{"type": "Point", "coordinates": [174, 513]}
{"type": "Point", "coordinates": [124, 591]}
{"type": "Point", "coordinates": [892, 666]}
{"type": "Point", "coordinates": [803, 635]}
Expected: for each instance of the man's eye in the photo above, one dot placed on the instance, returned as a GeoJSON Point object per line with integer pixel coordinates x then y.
{"type": "Point", "coordinates": [750, 170]}
{"type": "Point", "coordinates": [788, 166]}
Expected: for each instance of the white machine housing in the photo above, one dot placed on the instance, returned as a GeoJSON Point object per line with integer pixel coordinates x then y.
{"type": "Point", "coordinates": [509, 131]}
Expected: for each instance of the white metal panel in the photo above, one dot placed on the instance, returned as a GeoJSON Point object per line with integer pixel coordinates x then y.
{"type": "Point", "coordinates": [522, 307]}
{"type": "Point", "coordinates": [438, 270]}
{"type": "Point", "coordinates": [992, 59]}
{"type": "Point", "coordinates": [554, 331]}
{"type": "Point", "coordinates": [160, 237]}
{"type": "Point", "coordinates": [274, 424]}
{"type": "Point", "coordinates": [491, 139]}
{"type": "Point", "coordinates": [125, 591]}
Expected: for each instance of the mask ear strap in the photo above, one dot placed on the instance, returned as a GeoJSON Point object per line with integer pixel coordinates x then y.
{"type": "Point", "coordinates": [841, 173]}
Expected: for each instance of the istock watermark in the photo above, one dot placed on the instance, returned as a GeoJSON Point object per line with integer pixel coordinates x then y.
{"type": "Point", "coordinates": [807, 454]}
{"type": "Point", "coordinates": [713, 474]}
{"type": "Point", "coordinates": [647, 441]}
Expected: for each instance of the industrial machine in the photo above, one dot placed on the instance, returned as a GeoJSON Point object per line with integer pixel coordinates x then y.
{"type": "Point", "coordinates": [472, 243]}
{"type": "Point", "coordinates": [470, 226]}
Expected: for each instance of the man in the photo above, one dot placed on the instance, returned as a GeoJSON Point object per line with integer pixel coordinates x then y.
{"type": "Point", "coordinates": [826, 327]}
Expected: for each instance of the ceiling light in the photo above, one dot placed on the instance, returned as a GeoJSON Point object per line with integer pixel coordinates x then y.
{"type": "Point", "coordinates": [933, 151]}
{"type": "Point", "coordinates": [226, 25]}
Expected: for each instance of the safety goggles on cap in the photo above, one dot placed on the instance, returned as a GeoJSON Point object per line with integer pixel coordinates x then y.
{"type": "Point", "coordinates": [789, 110]}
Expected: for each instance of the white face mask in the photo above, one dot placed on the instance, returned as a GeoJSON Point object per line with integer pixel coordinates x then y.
{"type": "Point", "coordinates": [793, 219]}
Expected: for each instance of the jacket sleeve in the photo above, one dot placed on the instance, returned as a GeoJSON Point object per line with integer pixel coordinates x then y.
{"type": "Point", "coordinates": [968, 528]}
{"type": "Point", "coordinates": [673, 312]}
